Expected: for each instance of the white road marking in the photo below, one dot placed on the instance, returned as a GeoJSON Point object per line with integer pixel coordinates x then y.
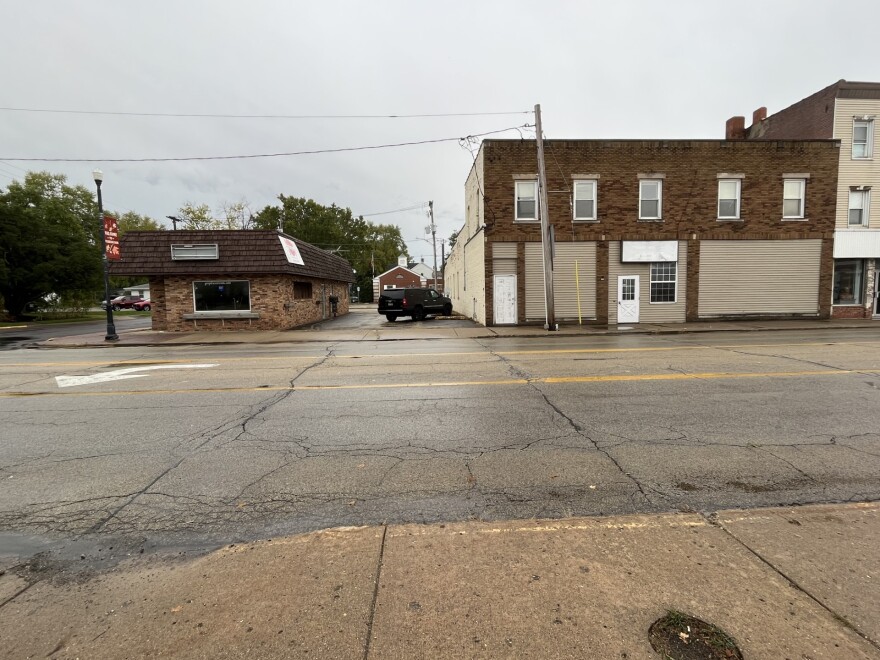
{"type": "Point", "coordinates": [121, 374]}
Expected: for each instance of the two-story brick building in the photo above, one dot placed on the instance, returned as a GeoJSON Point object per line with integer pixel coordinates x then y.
{"type": "Point", "coordinates": [649, 231]}
{"type": "Point", "coordinates": [845, 111]}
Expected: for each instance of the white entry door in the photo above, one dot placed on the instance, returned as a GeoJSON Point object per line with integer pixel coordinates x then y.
{"type": "Point", "coordinates": [628, 299]}
{"type": "Point", "coordinates": [504, 300]}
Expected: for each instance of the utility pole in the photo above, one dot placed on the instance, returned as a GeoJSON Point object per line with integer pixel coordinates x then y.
{"type": "Point", "coordinates": [546, 232]}
{"type": "Point", "coordinates": [433, 229]}
{"type": "Point", "coordinates": [443, 260]}
{"type": "Point", "coordinates": [174, 221]}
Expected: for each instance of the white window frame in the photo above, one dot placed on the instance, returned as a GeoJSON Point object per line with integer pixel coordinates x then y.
{"type": "Point", "coordinates": [738, 198]}
{"type": "Point", "coordinates": [595, 186]}
{"type": "Point", "coordinates": [659, 183]}
{"type": "Point", "coordinates": [802, 198]}
{"type": "Point", "coordinates": [516, 198]}
{"type": "Point", "coordinates": [652, 281]}
{"type": "Point", "coordinates": [869, 139]}
{"type": "Point", "coordinates": [865, 195]}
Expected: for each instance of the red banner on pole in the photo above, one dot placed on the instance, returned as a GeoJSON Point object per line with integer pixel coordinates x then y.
{"type": "Point", "coordinates": [111, 238]}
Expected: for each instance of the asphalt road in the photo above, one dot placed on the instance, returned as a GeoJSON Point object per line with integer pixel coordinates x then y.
{"type": "Point", "coordinates": [21, 336]}
{"type": "Point", "coordinates": [260, 441]}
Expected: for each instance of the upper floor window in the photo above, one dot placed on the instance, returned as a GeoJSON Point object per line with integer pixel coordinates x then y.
{"type": "Point", "coordinates": [863, 138]}
{"type": "Point", "coordinates": [650, 199]}
{"type": "Point", "coordinates": [859, 203]}
{"type": "Point", "coordinates": [793, 198]}
{"type": "Point", "coordinates": [728, 199]}
{"type": "Point", "coordinates": [585, 200]}
{"type": "Point", "coordinates": [526, 200]}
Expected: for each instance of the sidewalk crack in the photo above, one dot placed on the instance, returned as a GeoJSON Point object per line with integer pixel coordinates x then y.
{"type": "Point", "coordinates": [712, 519]}
{"type": "Point", "coordinates": [375, 594]}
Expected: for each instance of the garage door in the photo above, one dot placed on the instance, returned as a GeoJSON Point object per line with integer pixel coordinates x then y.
{"type": "Point", "coordinates": [759, 277]}
{"type": "Point", "coordinates": [534, 282]}
{"type": "Point", "coordinates": [574, 268]}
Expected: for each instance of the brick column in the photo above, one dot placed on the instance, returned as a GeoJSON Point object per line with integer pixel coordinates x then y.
{"type": "Point", "coordinates": [602, 282]}
{"type": "Point", "coordinates": [692, 308]}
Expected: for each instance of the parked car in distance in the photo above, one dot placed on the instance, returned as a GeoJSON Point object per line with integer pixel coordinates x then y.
{"type": "Point", "coordinates": [121, 302]}
{"type": "Point", "coordinates": [143, 305]}
{"type": "Point", "coordinates": [417, 303]}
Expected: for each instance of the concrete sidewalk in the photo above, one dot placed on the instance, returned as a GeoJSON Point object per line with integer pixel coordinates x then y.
{"type": "Point", "coordinates": [329, 331]}
{"type": "Point", "coordinates": [785, 583]}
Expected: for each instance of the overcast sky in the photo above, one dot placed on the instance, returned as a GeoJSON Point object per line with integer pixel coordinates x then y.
{"type": "Point", "coordinates": [599, 70]}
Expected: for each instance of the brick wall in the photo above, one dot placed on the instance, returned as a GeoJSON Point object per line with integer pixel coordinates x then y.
{"type": "Point", "coordinates": [407, 279]}
{"type": "Point", "coordinates": [271, 297]}
{"type": "Point", "coordinates": [690, 197]}
{"type": "Point", "coordinates": [811, 118]}
{"type": "Point", "coordinates": [690, 187]}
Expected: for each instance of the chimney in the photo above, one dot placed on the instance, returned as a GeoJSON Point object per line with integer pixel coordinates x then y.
{"type": "Point", "coordinates": [759, 115]}
{"type": "Point", "coordinates": [735, 129]}
{"type": "Point", "coordinates": [401, 261]}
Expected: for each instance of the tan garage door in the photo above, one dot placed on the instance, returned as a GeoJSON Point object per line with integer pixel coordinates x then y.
{"type": "Point", "coordinates": [566, 284]}
{"type": "Point", "coordinates": [759, 277]}
{"type": "Point", "coordinates": [534, 282]}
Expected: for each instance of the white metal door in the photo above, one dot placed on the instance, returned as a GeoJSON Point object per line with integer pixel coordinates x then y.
{"type": "Point", "coordinates": [628, 299]}
{"type": "Point", "coordinates": [504, 299]}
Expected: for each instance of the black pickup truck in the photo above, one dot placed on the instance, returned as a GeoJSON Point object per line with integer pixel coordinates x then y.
{"type": "Point", "coordinates": [417, 303]}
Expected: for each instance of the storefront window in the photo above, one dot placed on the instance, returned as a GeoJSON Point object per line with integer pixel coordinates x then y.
{"type": "Point", "coordinates": [222, 296]}
{"type": "Point", "coordinates": [848, 281]}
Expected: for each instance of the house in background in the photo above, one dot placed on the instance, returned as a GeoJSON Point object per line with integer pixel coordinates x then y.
{"type": "Point", "coordinates": [142, 290]}
{"type": "Point", "coordinates": [398, 277]}
{"type": "Point", "coordinates": [649, 230]}
{"type": "Point", "coordinates": [230, 280]}
{"type": "Point", "coordinates": [845, 111]}
{"type": "Point", "coordinates": [427, 273]}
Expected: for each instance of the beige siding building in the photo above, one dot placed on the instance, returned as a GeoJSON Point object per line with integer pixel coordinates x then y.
{"type": "Point", "coordinates": [846, 111]}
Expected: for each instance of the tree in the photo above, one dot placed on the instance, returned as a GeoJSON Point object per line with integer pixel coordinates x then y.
{"type": "Point", "coordinates": [452, 238]}
{"type": "Point", "coordinates": [131, 221]}
{"type": "Point", "coordinates": [368, 248]}
{"type": "Point", "coordinates": [49, 240]}
{"type": "Point", "coordinates": [196, 217]}
{"type": "Point", "coordinates": [233, 215]}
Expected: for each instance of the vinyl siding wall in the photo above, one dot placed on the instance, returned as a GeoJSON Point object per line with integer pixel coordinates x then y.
{"type": "Point", "coordinates": [857, 172]}
{"type": "Point", "coordinates": [648, 312]}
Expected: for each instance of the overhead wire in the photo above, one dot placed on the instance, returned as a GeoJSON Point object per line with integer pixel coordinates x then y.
{"type": "Point", "coordinates": [211, 115]}
{"type": "Point", "coordinates": [263, 155]}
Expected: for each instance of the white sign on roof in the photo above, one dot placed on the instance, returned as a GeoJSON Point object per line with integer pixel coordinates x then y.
{"type": "Point", "coordinates": [291, 251]}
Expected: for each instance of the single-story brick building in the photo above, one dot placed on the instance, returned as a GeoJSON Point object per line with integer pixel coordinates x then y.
{"type": "Point", "coordinates": [234, 280]}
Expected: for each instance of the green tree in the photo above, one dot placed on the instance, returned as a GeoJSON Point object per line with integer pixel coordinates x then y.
{"type": "Point", "coordinates": [368, 248]}
{"type": "Point", "coordinates": [131, 221]}
{"type": "Point", "coordinates": [231, 215]}
{"type": "Point", "coordinates": [196, 217]}
{"type": "Point", "coordinates": [452, 238]}
{"type": "Point", "coordinates": [48, 240]}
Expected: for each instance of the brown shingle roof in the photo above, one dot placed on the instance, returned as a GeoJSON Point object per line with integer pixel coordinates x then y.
{"type": "Point", "coordinates": [148, 253]}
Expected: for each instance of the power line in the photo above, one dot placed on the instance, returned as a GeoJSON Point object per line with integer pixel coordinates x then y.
{"type": "Point", "coordinates": [268, 155]}
{"type": "Point", "coordinates": [408, 208]}
{"type": "Point", "coordinates": [207, 115]}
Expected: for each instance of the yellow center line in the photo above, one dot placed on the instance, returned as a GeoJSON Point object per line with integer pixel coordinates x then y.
{"type": "Point", "coordinates": [464, 383]}
{"type": "Point", "coordinates": [435, 355]}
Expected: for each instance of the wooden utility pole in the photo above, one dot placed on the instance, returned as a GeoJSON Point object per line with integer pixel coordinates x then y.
{"type": "Point", "coordinates": [546, 232]}
{"type": "Point", "coordinates": [433, 229]}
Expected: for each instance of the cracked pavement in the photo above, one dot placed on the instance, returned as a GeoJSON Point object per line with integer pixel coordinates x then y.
{"type": "Point", "coordinates": [295, 437]}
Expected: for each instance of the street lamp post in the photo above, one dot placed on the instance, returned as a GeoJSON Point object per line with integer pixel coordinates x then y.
{"type": "Point", "coordinates": [111, 335]}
